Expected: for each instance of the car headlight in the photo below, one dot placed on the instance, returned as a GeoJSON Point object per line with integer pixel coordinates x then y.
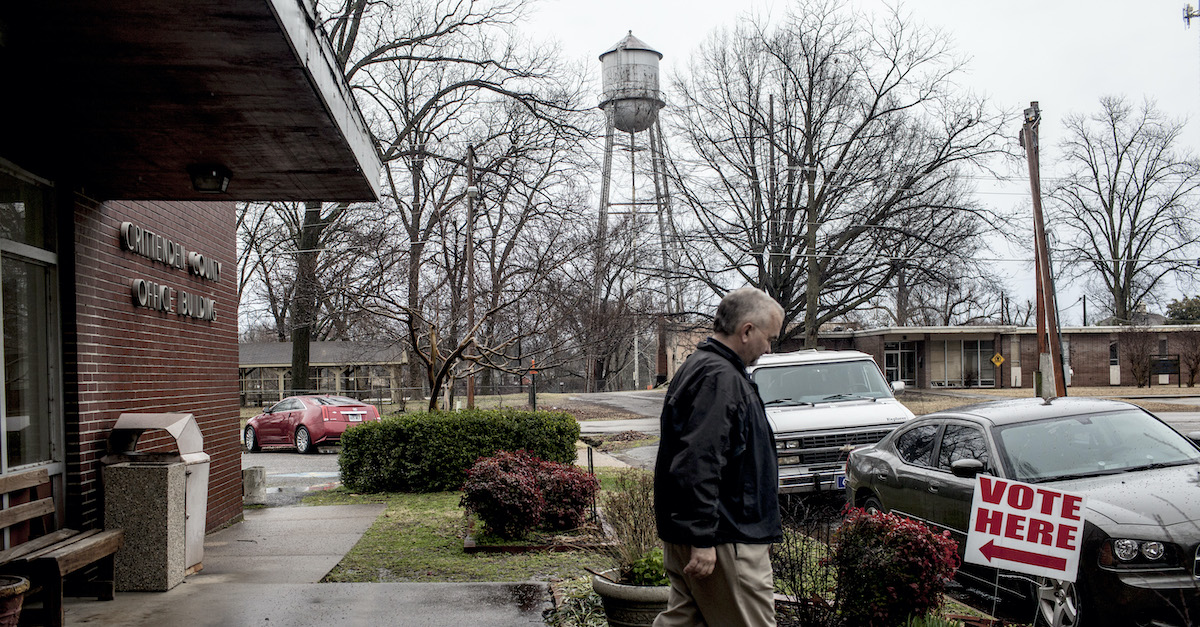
{"type": "Point", "coordinates": [789, 460]}
{"type": "Point", "coordinates": [1125, 549]}
{"type": "Point", "coordinates": [1153, 550]}
{"type": "Point", "coordinates": [1133, 552]}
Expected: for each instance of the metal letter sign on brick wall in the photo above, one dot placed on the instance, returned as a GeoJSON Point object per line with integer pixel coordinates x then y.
{"type": "Point", "coordinates": [1025, 528]}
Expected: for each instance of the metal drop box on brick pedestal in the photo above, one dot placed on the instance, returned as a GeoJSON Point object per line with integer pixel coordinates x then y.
{"type": "Point", "coordinates": [159, 499]}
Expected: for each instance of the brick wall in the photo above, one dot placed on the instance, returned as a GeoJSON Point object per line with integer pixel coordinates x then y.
{"type": "Point", "coordinates": [1089, 359]}
{"type": "Point", "coordinates": [119, 357]}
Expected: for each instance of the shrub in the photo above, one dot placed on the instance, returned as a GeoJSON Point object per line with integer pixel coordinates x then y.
{"type": "Point", "coordinates": [513, 493]}
{"type": "Point", "coordinates": [431, 452]}
{"type": "Point", "coordinates": [503, 491]}
{"type": "Point", "coordinates": [569, 491]}
{"type": "Point", "coordinates": [629, 511]}
{"type": "Point", "coordinates": [889, 568]}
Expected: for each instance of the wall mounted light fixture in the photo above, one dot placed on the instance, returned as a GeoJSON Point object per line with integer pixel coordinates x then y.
{"type": "Point", "coordinates": [209, 178]}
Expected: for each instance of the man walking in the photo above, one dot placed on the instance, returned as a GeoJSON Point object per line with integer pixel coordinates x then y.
{"type": "Point", "coordinates": [716, 476]}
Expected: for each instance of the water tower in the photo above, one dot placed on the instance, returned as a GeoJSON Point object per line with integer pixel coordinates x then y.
{"type": "Point", "coordinates": [630, 102]}
{"type": "Point", "coordinates": [631, 96]}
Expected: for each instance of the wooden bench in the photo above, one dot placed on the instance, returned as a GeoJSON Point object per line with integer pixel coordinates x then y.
{"type": "Point", "coordinates": [50, 556]}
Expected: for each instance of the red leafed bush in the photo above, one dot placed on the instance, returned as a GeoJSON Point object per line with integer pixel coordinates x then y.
{"type": "Point", "coordinates": [568, 491]}
{"type": "Point", "coordinates": [504, 492]}
{"type": "Point", "coordinates": [513, 493]}
{"type": "Point", "coordinates": [890, 568]}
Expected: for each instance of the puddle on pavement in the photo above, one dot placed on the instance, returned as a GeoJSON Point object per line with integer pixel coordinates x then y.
{"type": "Point", "coordinates": [303, 488]}
{"type": "Point", "coordinates": [526, 597]}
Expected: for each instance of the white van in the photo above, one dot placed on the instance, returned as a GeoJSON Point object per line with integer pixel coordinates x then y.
{"type": "Point", "coordinates": [821, 405]}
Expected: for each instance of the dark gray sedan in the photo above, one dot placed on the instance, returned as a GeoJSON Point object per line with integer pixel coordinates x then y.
{"type": "Point", "coordinates": [1139, 563]}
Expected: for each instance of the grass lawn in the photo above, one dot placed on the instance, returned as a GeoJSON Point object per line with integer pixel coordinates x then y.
{"type": "Point", "coordinates": [420, 537]}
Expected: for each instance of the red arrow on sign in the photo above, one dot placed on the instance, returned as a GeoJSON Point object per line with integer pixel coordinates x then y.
{"type": "Point", "coordinates": [990, 550]}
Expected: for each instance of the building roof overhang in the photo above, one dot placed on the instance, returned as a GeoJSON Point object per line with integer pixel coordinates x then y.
{"type": "Point", "coordinates": [120, 97]}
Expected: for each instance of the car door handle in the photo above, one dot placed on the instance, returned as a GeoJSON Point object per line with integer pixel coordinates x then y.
{"type": "Point", "coordinates": [882, 476]}
{"type": "Point", "coordinates": [933, 489]}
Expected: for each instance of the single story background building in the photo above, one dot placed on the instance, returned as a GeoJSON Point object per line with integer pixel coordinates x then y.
{"type": "Point", "coordinates": [1007, 356]}
{"type": "Point", "coordinates": [367, 371]}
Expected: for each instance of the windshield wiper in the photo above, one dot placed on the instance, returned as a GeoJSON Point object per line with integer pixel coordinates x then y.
{"type": "Point", "coordinates": [785, 401]}
{"type": "Point", "coordinates": [849, 397]}
{"type": "Point", "coordinates": [1081, 475]}
{"type": "Point", "coordinates": [1157, 465]}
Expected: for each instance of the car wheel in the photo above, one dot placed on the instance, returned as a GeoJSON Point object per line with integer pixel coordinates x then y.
{"type": "Point", "coordinates": [873, 506]}
{"type": "Point", "coordinates": [1057, 602]}
{"type": "Point", "coordinates": [304, 443]}
{"type": "Point", "coordinates": [251, 442]}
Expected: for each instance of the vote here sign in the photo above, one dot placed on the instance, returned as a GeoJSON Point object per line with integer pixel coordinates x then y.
{"type": "Point", "coordinates": [1025, 528]}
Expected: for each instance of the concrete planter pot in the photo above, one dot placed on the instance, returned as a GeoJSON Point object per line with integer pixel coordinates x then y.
{"type": "Point", "coordinates": [629, 606]}
{"type": "Point", "coordinates": [12, 597]}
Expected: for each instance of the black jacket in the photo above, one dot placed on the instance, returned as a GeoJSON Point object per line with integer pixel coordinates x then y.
{"type": "Point", "coordinates": [716, 478]}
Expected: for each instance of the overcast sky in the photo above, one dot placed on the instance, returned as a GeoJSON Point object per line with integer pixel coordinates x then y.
{"type": "Point", "coordinates": [1064, 54]}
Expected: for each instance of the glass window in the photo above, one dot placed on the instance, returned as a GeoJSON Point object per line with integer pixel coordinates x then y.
{"type": "Point", "coordinates": [1113, 354]}
{"type": "Point", "coordinates": [962, 442]}
{"type": "Point", "coordinates": [1097, 444]}
{"type": "Point", "coordinates": [915, 446]}
{"type": "Point", "coordinates": [289, 404]}
{"type": "Point", "coordinates": [821, 382]}
{"type": "Point", "coordinates": [27, 414]}
{"type": "Point", "coordinates": [24, 216]}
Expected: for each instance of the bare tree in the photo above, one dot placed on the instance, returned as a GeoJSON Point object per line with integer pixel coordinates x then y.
{"type": "Point", "coordinates": [272, 243]}
{"type": "Point", "coordinates": [1125, 213]}
{"type": "Point", "coordinates": [821, 151]}
{"type": "Point", "coordinates": [406, 64]}
{"type": "Point", "coordinates": [1188, 345]}
{"type": "Point", "coordinates": [1137, 346]}
{"type": "Point", "coordinates": [527, 216]}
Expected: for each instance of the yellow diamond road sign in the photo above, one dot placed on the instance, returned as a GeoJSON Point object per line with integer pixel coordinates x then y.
{"type": "Point", "coordinates": [997, 359]}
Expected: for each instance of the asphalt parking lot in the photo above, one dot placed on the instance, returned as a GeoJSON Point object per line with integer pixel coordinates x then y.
{"type": "Point", "coordinates": [291, 475]}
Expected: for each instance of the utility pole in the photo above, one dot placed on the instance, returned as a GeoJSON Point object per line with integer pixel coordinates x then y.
{"type": "Point", "coordinates": [1050, 362]}
{"type": "Point", "coordinates": [472, 192]}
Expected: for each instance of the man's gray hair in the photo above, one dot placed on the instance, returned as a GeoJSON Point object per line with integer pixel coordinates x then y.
{"type": "Point", "coordinates": [747, 304]}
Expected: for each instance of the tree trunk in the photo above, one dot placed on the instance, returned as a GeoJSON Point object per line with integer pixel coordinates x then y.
{"type": "Point", "coordinates": [304, 302]}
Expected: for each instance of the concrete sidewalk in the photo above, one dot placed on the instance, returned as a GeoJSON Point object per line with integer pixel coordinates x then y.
{"type": "Point", "coordinates": [264, 571]}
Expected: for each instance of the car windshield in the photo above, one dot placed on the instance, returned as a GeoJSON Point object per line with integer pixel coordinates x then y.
{"type": "Point", "coordinates": [801, 384]}
{"type": "Point", "coordinates": [337, 401]}
{"type": "Point", "coordinates": [1091, 445]}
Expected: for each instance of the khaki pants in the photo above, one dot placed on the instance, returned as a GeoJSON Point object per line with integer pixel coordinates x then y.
{"type": "Point", "coordinates": [739, 593]}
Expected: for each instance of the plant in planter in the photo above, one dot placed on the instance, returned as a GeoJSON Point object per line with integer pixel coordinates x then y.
{"type": "Point", "coordinates": [635, 591]}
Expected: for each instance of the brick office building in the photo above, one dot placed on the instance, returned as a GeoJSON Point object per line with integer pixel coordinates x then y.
{"type": "Point", "coordinates": [130, 128]}
{"type": "Point", "coordinates": [955, 357]}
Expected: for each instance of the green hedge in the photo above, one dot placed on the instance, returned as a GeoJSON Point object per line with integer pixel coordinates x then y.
{"type": "Point", "coordinates": [431, 451]}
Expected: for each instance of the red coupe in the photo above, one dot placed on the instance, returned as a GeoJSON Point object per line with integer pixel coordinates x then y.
{"type": "Point", "coordinates": [306, 422]}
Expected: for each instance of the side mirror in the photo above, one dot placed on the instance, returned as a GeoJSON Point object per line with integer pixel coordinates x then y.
{"type": "Point", "coordinates": [1194, 436]}
{"type": "Point", "coordinates": [897, 387]}
{"type": "Point", "coordinates": [266, 409]}
{"type": "Point", "coordinates": [966, 468]}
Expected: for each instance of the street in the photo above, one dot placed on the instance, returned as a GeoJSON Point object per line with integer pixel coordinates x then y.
{"type": "Point", "coordinates": [291, 475]}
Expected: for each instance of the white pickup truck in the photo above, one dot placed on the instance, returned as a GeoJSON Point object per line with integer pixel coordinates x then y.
{"type": "Point", "coordinates": [821, 405]}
